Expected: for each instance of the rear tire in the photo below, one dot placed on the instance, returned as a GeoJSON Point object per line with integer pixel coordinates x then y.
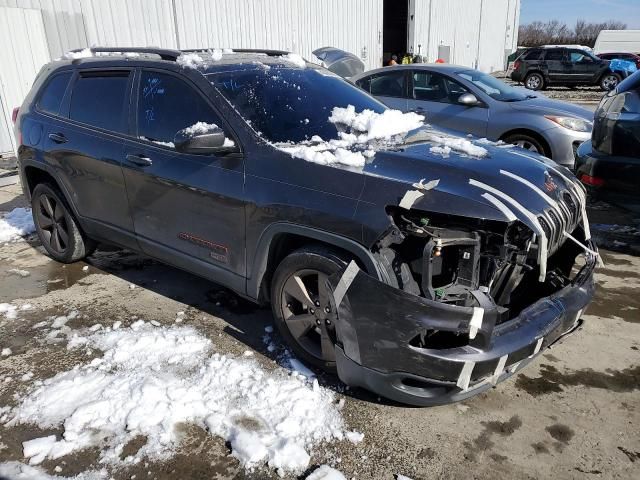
{"type": "Point", "coordinates": [57, 229]}
{"type": "Point", "coordinates": [301, 307]}
{"type": "Point", "coordinates": [534, 81]}
{"type": "Point", "coordinates": [609, 81]}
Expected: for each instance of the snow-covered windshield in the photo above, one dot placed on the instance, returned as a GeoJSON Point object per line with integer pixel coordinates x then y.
{"type": "Point", "coordinates": [493, 87]}
{"type": "Point", "coordinates": [291, 105]}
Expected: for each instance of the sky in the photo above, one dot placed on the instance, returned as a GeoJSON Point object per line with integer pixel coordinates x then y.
{"type": "Point", "coordinates": [568, 11]}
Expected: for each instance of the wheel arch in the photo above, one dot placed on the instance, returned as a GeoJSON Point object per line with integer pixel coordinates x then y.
{"type": "Point", "coordinates": [35, 174]}
{"type": "Point", "coordinates": [531, 133]}
{"type": "Point", "coordinates": [280, 239]}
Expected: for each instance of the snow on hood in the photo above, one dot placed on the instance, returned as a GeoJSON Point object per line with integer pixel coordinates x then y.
{"type": "Point", "coordinates": [362, 133]}
{"type": "Point", "coordinates": [150, 379]}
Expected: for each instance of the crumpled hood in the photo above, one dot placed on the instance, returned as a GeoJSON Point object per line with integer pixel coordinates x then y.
{"type": "Point", "coordinates": [526, 184]}
{"type": "Point", "coordinates": [547, 106]}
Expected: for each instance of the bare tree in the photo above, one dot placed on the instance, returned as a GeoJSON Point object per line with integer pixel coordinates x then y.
{"type": "Point", "coordinates": [556, 32]}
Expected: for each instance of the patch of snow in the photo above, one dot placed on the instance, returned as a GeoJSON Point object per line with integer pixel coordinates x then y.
{"type": "Point", "coordinates": [370, 125]}
{"type": "Point", "coordinates": [190, 60]}
{"type": "Point", "coordinates": [85, 268]}
{"type": "Point", "coordinates": [294, 59]}
{"type": "Point", "coordinates": [6, 352]}
{"type": "Point", "coordinates": [354, 437]}
{"type": "Point", "coordinates": [148, 380]}
{"type": "Point", "coordinates": [131, 54]}
{"type": "Point", "coordinates": [297, 366]}
{"type": "Point", "coordinates": [227, 50]}
{"type": "Point", "coordinates": [203, 127]}
{"type": "Point", "coordinates": [402, 477]}
{"type": "Point", "coordinates": [443, 141]}
{"type": "Point", "coordinates": [20, 273]}
{"type": "Point", "coordinates": [10, 311]}
{"type": "Point", "coordinates": [216, 54]}
{"type": "Point", "coordinates": [444, 150]}
{"type": "Point", "coordinates": [85, 53]}
{"type": "Point", "coordinates": [20, 471]}
{"type": "Point", "coordinates": [325, 472]}
{"type": "Point", "coordinates": [15, 224]}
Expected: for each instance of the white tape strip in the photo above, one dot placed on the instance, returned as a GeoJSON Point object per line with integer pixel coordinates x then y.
{"type": "Point", "coordinates": [411, 197]}
{"type": "Point", "coordinates": [538, 346]}
{"type": "Point", "coordinates": [426, 186]}
{"type": "Point", "coordinates": [476, 322]}
{"type": "Point", "coordinates": [501, 206]}
{"type": "Point", "coordinates": [465, 375]}
{"type": "Point", "coordinates": [345, 282]}
{"type": "Point", "coordinates": [499, 369]}
{"type": "Point", "coordinates": [514, 367]}
{"type": "Point", "coordinates": [585, 248]}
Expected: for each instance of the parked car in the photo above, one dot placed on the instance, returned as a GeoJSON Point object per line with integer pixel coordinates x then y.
{"type": "Point", "coordinates": [539, 68]}
{"type": "Point", "coordinates": [423, 267]}
{"type": "Point", "coordinates": [469, 101]}
{"type": "Point", "coordinates": [631, 57]}
{"type": "Point", "coordinates": [609, 164]}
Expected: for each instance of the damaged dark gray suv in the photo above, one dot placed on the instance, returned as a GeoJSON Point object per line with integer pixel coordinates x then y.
{"type": "Point", "coordinates": [421, 266]}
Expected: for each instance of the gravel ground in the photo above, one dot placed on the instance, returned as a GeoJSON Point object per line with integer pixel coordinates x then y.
{"type": "Point", "coordinates": [574, 413]}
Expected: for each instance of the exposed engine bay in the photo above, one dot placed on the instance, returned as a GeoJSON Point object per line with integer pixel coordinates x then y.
{"type": "Point", "coordinates": [457, 260]}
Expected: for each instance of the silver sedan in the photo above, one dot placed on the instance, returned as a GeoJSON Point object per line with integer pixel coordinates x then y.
{"type": "Point", "coordinates": [469, 101]}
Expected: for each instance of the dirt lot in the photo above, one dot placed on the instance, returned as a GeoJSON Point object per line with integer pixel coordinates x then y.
{"type": "Point", "coordinates": [575, 413]}
{"type": "Point", "coordinates": [585, 96]}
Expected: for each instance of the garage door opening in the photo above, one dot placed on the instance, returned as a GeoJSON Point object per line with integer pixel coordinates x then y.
{"type": "Point", "coordinates": [395, 14]}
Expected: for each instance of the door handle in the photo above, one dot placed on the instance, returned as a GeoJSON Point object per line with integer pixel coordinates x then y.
{"type": "Point", "coordinates": [139, 160]}
{"type": "Point", "coordinates": [58, 137]}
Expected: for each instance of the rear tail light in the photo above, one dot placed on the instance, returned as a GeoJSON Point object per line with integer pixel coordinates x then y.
{"type": "Point", "coordinates": [591, 181]}
{"type": "Point", "coordinates": [516, 65]}
{"type": "Point", "coordinates": [14, 114]}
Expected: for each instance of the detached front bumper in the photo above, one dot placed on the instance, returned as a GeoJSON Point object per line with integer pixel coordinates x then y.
{"type": "Point", "coordinates": [377, 325]}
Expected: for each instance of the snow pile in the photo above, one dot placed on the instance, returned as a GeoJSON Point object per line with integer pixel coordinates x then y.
{"type": "Point", "coordinates": [20, 471]}
{"type": "Point", "coordinates": [203, 127]}
{"type": "Point", "coordinates": [85, 53]}
{"type": "Point", "coordinates": [294, 59]}
{"type": "Point", "coordinates": [15, 224]}
{"type": "Point", "coordinates": [190, 60]}
{"type": "Point", "coordinates": [150, 379]}
{"type": "Point", "coordinates": [369, 125]}
{"type": "Point", "coordinates": [365, 131]}
{"type": "Point", "coordinates": [444, 150]}
{"type": "Point", "coordinates": [325, 472]}
{"type": "Point", "coordinates": [444, 143]}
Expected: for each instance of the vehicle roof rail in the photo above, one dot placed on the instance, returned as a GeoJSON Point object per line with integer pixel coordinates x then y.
{"type": "Point", "coordinates": [271, 53]}
{"type": "Point", "coordinates": [163, 53]}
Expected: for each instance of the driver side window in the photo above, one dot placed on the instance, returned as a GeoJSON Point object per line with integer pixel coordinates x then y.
{"type": "Point", "coordinates": [166, 105]}
{"type": "Point", "coordinates": [578, 57]}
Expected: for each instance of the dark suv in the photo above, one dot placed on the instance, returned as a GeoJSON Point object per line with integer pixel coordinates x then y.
{"type": "Point", "coordinates": [418, 265]}
{"type": "Point", "coordinates": [539, 68]}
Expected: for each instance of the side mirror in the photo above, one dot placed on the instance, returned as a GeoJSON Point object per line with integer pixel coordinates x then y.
{"type": "Point", "coordinates": [203, 138]}
{"type": "Point", "coordinates": [468, 100]}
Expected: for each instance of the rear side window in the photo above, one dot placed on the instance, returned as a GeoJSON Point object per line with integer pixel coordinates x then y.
{"type": "Point", "coordinates": [555, 55]}
{"type": "Point", "coordinates": [98, 99]}
{"type": "Point", "coordinates": [533, 54]}
{"type": "Point", "coordinates": [53, 92]}
{"type": "Point", "coordinates": [388, 84]}
{"type": "Point", "coordinates": [167, 105]}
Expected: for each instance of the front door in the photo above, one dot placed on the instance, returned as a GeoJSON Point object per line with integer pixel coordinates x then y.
{"type": "Point", "coordinates": [583, 67]}
{"type": "Point", "coordinates": [436, 97]}
{"type": "Point", "coordinates": [187, 209]}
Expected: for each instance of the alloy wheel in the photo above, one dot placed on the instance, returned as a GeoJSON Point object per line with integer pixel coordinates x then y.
{"type": "Point", "coordinates": [527, 146]}
{"type": "Point", "coordinates": [51, 219]}
{"type": "Point", "coordinates": [610, 82]}
{"type": "Point", "coordinates": [533, 82]}
{"type": "Point", "coordinates": [308, 315]}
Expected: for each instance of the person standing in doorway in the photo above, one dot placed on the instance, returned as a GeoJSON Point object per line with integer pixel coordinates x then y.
{"type": "Point", "coordinates": [393, 61]}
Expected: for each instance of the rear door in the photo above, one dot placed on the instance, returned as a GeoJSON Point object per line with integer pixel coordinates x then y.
{"type": "Point", "coordinates": [388, 87]}
{"type": "Point", "coordinates": [558, 68]}
{"type": "Point", "coordinates": [187, 209]}
{"type": "Point", "coordinates": [435, 96]}
{"type": "Point", "coordinates": [84, 144]}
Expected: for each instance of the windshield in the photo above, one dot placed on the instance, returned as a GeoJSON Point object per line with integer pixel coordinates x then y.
{"type": "Point", "coordinates": [290, 105]}
{"type": "Point", "coordinates": [493, 87]}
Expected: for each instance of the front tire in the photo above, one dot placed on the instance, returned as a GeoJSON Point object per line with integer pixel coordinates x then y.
{"type": "Point", "coordinates": [609, 81]}
{"type": "Point", "coordinates": [534, 81]}
{"type": "Point", "coordinates": [527, 142]}
{"type": "Point", "coordinates": [300, 304]}
{"type": "Point", "coordinates": [57, 229]}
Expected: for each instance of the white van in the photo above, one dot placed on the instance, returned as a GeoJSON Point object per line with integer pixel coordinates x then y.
{"type": "Point", "coordinates": [618, 41]}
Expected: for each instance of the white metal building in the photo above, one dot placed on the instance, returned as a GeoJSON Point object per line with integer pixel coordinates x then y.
{"type": "Point", "coordinates": [475, 33]}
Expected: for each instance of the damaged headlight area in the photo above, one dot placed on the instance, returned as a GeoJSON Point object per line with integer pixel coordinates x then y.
{"type": "Point", "coordinates": [461, 305]}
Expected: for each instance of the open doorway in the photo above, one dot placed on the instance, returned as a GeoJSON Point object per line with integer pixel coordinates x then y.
{"type": "Point", "coordinates": [395, 14]}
